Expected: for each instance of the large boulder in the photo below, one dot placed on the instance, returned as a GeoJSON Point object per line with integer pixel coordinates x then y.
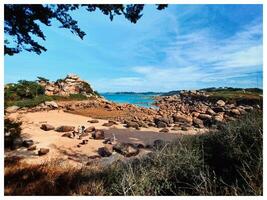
{"type": "Point", "coordinates": [12, 109]}
{"type": "Point", "coordinates": [93, 121]}
{"type": "Point", "coordinates": [182, 118]}
{"type": "Point", "coordinates": [164, 130]}
{"type": "Point", "coordinates": [161, 122]}
{"type": "Point", "coordinates": [43, 151]}
{"type": "Point", "coordinates": [205, 117]}
{"type": "Point", "coordinates": [98, 135]}
{"type": "Point", "coordinates": [51, 104]}
{"type": "Point", "coordinates": [219, 117]}
{"type": "Point", "coordinates": [27, 143]}
{"type": "Point", "coordinates": [47, 127]}
{"type": "Point", "coordinates": [198, 123]}
{"type": "Point", "coordinates": [126, 149]}
{"type": "Point", "coordinates": [89, 129]}
{"type": "Point", "coordinates": [132, 124]}
{"type": "Point", "coordinates": [220, 103]}
{"type": "Point", "coordinates": [235, 111]}
{"type": "Point", "coordinates": [65, 128]}
{"type": "Point", "coordinates": [210, 111]}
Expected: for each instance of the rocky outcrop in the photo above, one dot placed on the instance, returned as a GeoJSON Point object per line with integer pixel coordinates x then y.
{"type": "Point", "coordinates": [72, 84]}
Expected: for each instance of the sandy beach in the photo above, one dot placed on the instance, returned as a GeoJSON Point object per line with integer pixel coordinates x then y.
{"type": "Point", "coordinates": [65, 148]}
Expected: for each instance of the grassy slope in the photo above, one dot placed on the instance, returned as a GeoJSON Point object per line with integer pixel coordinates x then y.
{"type": "Point", "coordinates": [42, 98]}
{"type": "Point", "coordinates": [227, 162]}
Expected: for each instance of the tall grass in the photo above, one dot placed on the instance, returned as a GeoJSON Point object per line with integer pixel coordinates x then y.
{"type": "Point", "coordinates": [226, 162]}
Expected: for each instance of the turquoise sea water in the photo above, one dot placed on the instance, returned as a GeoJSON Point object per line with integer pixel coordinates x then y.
{"type": "Point", "coordinates": [139, 99]}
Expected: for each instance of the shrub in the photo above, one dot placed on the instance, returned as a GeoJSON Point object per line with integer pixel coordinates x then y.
{"type": "Point", "coordinates": [33, 102]}
{"type": "Point", "coordinates": [12, 130]}
{"type": "Point", "coordinates": [23, 90]}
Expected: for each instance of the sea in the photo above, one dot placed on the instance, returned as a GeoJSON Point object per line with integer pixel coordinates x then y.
{"type": "Point", "coordinates": [140, 99]}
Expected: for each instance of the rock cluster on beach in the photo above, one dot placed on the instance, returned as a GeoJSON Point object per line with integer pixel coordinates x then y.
{"type": "Point", "coordinates": [72, 84]}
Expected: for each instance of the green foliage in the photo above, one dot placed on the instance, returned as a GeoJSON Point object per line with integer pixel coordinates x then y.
{"type": "Point", "coordinates": [97, 93]}
{"type": "Point", "coordinates": [23, 90]}
{"type": "Point", "coordinates": [43, 79]}
{"type": "Point", "coordinates": [87, 88]}
{"type": "Point", "coordinates": [37, 13]}
{"type": "Point", "coordinates": [32, 102]}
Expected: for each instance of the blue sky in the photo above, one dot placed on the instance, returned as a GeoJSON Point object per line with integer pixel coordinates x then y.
{"type": "Point", "coordinates": [181, 47]}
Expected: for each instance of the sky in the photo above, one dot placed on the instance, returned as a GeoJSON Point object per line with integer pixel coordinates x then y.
{"type": "Point", "coordinates": [180, 47]}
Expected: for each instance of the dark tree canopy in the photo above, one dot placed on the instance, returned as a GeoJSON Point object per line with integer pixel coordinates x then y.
{"type": "Point", "coordinates": [22, 21]}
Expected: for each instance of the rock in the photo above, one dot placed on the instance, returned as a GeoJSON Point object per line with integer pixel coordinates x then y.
{"type": "Point", "coordinates": [242, 111]}
{"type": "Point", "coordinates": [17, 143]}
{"type": "Point", "coordinates": [112, 122]}
{"type": "Point", "coordinates": [51, 104]}
{"type": "Point", "coordinates": [108, 124]}
{"type": "Point", "coordinates": [132, 125]}
{"type": "Point", "coordinates": [43, 151]}
{"type": "Point", "coordinates": [89, 129]}
{"type": "Point", "coordinates": [105, 151]}
{"type": "Point", "coordinates": [131, 151]}
{"type": "Point", "coordinates": [182, 118]}
{"type": "Point", "coordinates": [186, 128]}
{"type": "Point", "coordinates": [210, 111]}
{"type": "Point", "coordinates": [218, 117]}
{"type": "Point", "coordinates": [218, 109]}
{"type": "Point", "coordinates": [205, 117]}
{"type": "Point", "coordinates": [164, 130]}
{"type": "Point", "coordinates": [161, 122]}
{"type": "Point", "coordinates": [27, 143]}
{"type": "Point", "coordinates": [68, 134]}
{"type": "Point", "coordinates": [198, 123]}
{"type": "Point", "coordinates": [93, 121]}
{"type": "Point", "coordinates": [176, 128]}
{"type": "Point", "coordinates": [98, 135]}
{"type": "Point", "coordinates": [65, 128]}
{"type": "Point", "coordinates": [32, 148]}
{"type": "Point", "coordinates": [47, 127]}
{"type": "Point", "coordinates": [12, 109]}
{"type": "Point", "coordinates": [220, 103]}
{"type": "Point", "coordinates": [127, 150]}
{"type": "Point", "coordinates": [235, 111]}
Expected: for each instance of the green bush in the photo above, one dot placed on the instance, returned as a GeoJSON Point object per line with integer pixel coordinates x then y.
{"type": "Point", "coordinates": [14, 131]}
{"type": "Point", "coordinates": [33, 102]}
{"type": "Point", "coordinates": [23, 90]}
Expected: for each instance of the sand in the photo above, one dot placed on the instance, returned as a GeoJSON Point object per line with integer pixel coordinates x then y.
{"type": "Point", "coordinates": [64, 148]}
